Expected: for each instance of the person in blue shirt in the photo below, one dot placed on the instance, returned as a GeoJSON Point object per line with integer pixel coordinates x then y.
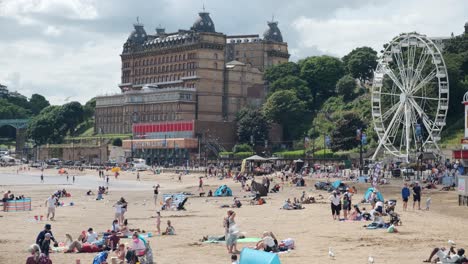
{"type": "Point", "coordinates": [405, 194]}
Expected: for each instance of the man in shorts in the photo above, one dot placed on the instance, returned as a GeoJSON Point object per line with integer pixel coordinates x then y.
{"type": "Point", "coordinates": [417, 195]}
{"type": "Point", "coordinates": [50, 203]}
{"type": "Point", "coordinates": [405, 194]}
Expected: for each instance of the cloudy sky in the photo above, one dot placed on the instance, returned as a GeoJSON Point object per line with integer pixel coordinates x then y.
{"type": "Point", "coordinates": [70, 48]}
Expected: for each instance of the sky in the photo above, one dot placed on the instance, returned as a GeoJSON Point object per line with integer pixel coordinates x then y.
{"type": "Point", "coordinates": [68, 50]}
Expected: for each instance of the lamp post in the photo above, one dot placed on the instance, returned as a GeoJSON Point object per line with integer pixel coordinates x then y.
{"type": "Point", "coordinates": [361, 137]}
{"type": "Point", "coordinates": [100, 146]}
{"type": "Point", "coordinates": [419, 149]}
{"type": "Point", "coordinates": [134, 120]}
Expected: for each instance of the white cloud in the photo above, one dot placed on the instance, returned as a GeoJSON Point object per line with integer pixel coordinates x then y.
{"type": "Point", "coordinates": [374, 25]}
{"type": "Point", "coordinates": [73, 9]}
{"type": "Point", "coordinates": [52, 31]}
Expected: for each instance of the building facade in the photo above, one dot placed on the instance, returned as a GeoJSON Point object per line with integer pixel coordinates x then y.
{"type": "Point", "coordinates": [197, 75]}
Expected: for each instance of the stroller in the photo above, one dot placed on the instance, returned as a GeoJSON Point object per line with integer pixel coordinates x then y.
{"type": "Point", "coordinates": [395, 219]}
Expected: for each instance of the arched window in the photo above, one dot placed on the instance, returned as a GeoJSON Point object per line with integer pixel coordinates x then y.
{"type": "Point", "coordinates": [216, 56]}
{"type": "Point", "coordinates": [183, 57]}
{"type": "Point", "coordinates": [170, 68]}
{"type": "Point", "coordinates": [215, 65]}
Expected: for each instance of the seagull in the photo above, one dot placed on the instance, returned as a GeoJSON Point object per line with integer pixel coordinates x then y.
{"type": "Point", "coordinates": [370, 260]}
{"type": "Point", "coordinates": [331, 254]}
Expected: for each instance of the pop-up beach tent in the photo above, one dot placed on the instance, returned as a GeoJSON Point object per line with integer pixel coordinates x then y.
{"type": "Point", "coordinates": [252, 256]}
{"type": "Point", "coordinates": [368, 193]}
{"type": "Point", "coordinates": [223, 190]}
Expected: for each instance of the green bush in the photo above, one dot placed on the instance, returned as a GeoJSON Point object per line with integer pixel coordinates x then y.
{"type": "Point", "coordinates": [226, 154]}
{"type": "Point", "coordinates": [243, 155]}
{"type": "Point", "coordinates": [292, 154]}
{"type": "Point", "coordinates": [242, 148]}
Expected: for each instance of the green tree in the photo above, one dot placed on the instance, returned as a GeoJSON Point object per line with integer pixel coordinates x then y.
{"type": "Point", "coordinates": [361, 63]}
{"type": "Point", "coordinates": [282, 70]}
{"type": "Point", "coordinates": [284, 107]}
{"type": "Point", "coordinates": [89, 108]}
{"type": "Point", "coordinates": [346, 87]}
{"type": "Point", "coordinates": [71, 115]}
{"type": "Point", "coordinates": [47, 127]}
{"type": "Point", "coordinates": [252, 122]}
{"type": "Point", "coordinates": [117, 142]}
{"type": "Point", "coordinates": [9, 110]}
{"type": "Point", "coordinates": [37, 102]}
{"type": "Point", "coordinates": [344, 134]}
{"type": "Point", "coordinates": [322, 73]}
{"type": "Point", "coordinates": [292, 83]}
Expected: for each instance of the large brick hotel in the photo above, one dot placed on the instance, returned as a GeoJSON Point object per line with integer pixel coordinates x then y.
{"type": "Point", "coordinates": [181, 86]}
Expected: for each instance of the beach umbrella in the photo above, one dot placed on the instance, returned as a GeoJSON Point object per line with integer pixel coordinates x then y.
{"type": "Point", "coordinates": [115, 169]}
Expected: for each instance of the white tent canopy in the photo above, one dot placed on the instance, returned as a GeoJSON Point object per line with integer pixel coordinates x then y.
{"type": "Point", "coordinates": [256, 158]}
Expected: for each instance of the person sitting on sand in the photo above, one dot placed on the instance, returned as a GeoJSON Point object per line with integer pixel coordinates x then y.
{"type": "Point", "coordinates": [210, 193]}
{"type": "Point", "coordinates": [269, 243]}
{"type": "Point", "coordinates": [237, 203]}
{"type": "Point", "coordinates": [112, 242]}
{"type": "Point", "coordinates": [89, 193]}
{"type": "Point", "coordinates": [115, 225]}
{"type": "Point", "coordinates": [356, 214]}
{"type": "Point", "coordinates": [36, 256]}
{"type": "Point", "coordinates": [138, 245]}
{"type": "Point", "coordinates": [443, 251]}
{"type": "Point", "coordinates": [79, 247]}
{"type": "Point", "coordinates": [288, 205]}
{"type": "Point", "coordinates": [121, 252]}
{"type": "Point", "coordinates": [170, 230]}
{"type": "Point", "coordinates": [125, 231]}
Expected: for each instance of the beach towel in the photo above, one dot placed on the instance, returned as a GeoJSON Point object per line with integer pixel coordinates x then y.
{"type": "Point", "coordinates": [239, 240]}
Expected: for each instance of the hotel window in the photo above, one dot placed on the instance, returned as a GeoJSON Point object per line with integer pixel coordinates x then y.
{"type": "Point", "coordinates": [183, 57]}
{"type": "Point", "coordinates": [216, 56]}
{"type": "Point", "coordinates": [170, 68]}
{"type": "Point", "coordinates": [215, 65]}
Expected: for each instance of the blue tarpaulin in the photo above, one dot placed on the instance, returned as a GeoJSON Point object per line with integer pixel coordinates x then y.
{"type": "Point", "coordinates": [252, 256]}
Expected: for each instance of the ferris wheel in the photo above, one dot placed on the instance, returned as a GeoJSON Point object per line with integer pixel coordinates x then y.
{"type": "Point", "coordinates": [410, 96]}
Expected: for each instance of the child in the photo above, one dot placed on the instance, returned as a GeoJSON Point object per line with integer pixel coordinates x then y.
{"type": "Point", "coordinates": [45, 247]}
{"type": "Point", "coordinates": [158, 222]}
{"type": "Point", "coordinates": [234, 259]}
{"type": "Point", "coordinates": [170, 230]}
{"type": "Point", "coordinates": [428, 203]}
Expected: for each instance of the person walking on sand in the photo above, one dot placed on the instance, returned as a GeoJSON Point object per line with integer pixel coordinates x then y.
{"type": "Point", "coordinates": [417, 195]}
{"type": "Point", "coordinates": [107, 179]}
{"type": "Point", "coordinates": [42, 178]}
{"type": "Point", "coordinates": [138, 176]}
{"type": "Point", "coordinates": [73, 179]}
{"type": "Point", "coordinates": [158, 222]}
{"type": "Point", "coordinates": [50, 203]}
{"type": "Point", "coordinates": [155, 195]}
{"type": "Point", "coordinates": [405, 194]}
{"type": "Point", "coordinates": [200, 184]}
{"type": "Point", "coordinates": [67, 177]}
{"type": "Point", "coordinates": [180, 177]}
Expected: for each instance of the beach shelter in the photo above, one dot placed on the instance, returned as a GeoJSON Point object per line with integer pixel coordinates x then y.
{"type": "Point", "coordinates": [368, 193]}
{"type": "Point", "coordinates": [252, 256]}
{"type": "Point", "coordinates": [260, 188]}
{"type": "Point", "coordinates": [256, 158]}
{"type": "Point", "coordinates": [223, 190]}
{"type": "Point", "coordinates": [336, 184]}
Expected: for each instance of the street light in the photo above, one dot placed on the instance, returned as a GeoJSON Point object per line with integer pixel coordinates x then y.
{"type": "Point", "coordinates": [362, 138]}
{"type": "Point", "coordinates": [134, 120]}
{"type": "Point", "coordinates": [419, 149]}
